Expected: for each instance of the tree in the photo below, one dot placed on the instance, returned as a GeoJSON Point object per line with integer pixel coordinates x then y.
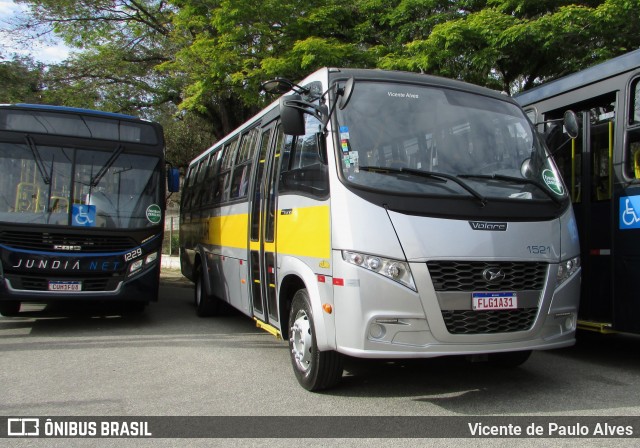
{"type": "Point", "coordinates": [22, 80]}
{"type": "Point", "coordinates": [120, 43]}
{"type": "Point", "coordinates": [512, 44]}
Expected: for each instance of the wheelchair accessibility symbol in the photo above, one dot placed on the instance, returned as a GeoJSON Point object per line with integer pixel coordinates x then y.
{"type": "Point", "coordinates": [629, 212]}
{"type": "Point", "coordinates": [83, 215]}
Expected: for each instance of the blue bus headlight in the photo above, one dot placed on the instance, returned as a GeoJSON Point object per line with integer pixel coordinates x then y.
{"type": "Point", "coordinates": [396, 270]}
{"type": "Point", "coordinates": [566, 269]}
{"type": "Point", "coordinates": [135, 266]}
{"type": "Point", "coordinates": [151, 258]}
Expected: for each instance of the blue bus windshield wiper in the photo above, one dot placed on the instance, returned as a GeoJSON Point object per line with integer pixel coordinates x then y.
{"type": "Point", "coordinates": [516, 180]}
{"type": "Point", "coordinates": [38, 159]}
{"type": "Point", "coordinates": [95, 180]}
{"type": "Point", "coordinates": [429, 175]}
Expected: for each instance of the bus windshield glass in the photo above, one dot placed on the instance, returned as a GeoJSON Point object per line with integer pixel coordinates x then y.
{"type": "Point", "coordinates": [410, 139]}
{"type": "Point", "coordinates": [65, 186]}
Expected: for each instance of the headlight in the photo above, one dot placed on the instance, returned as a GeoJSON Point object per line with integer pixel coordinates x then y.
{"type": "Point", "coordinates": [566, 269]}
{"type": "Point", "coordinates": [398, 271]}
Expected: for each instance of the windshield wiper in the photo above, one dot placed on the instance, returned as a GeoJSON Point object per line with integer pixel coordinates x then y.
{"type": "Point", "coordinates": [516, 180]}
{"type": "Point", "coordinates": [95, 180]}
{"type": "Point", "coordinates": [429, 175]}
{"type": "Point", "coordinates": [36, 156]}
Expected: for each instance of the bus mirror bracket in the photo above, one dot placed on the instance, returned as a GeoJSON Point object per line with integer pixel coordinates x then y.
{"type": "Point", "coordinates": [173, 180]}
{"type": "Point", "coordinates": [321, 144]}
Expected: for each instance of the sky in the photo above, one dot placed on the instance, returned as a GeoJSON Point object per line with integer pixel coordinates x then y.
{"type": "Point", "coordinates": [45, 52]}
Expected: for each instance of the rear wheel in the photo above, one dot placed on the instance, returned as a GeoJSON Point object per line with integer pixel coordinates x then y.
{"type": "Point", "coordinates": [509, 360]}
{"type": "Point", "coordinates": [9, 309]}
{"type": "Point", "coordinates": [206, 305]}
{"type": "Point", "coordinates": [315, 370]}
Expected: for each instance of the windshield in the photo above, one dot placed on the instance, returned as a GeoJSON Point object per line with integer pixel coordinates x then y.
{"type": "Point", "coordinates": [78, 187]}
{"type": "Point", "coordinates": [409, 139]}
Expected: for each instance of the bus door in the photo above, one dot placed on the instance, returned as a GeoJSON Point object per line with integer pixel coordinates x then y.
{"type": "Point", "coordinates": [586, 166]}
{"type": "Point", "coordinates": [262, 222]}
{"type": "Point", "coordinates": [627, 218]}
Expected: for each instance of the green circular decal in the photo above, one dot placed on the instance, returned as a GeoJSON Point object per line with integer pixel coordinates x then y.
{"type": "Point", "coordinates": [553, 182]}
{"type": "Point", "coordinates": [154, 214]}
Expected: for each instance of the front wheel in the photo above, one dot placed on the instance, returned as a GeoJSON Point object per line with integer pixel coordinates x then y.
{"type": "Point", "coordinates": [9, 309]}
{"type": "Point", "coordinates": [315, 370]}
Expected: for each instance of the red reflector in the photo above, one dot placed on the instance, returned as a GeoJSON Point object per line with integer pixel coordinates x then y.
{"type": "Point", "coordinates": [338, 282]}
{"type": "Point", "coordinates": [322, 279]}
{"type": "Point", "coordinates": [240, 262]}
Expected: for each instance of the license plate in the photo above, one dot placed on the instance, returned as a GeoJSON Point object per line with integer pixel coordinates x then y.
{"type": "Point", "coordinates": [494, 301]}
{"type": "Point", "coordinates": [65, 286]}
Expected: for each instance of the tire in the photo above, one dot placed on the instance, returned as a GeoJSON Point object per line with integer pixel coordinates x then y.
{"type": "Point", "coordinates": [509, 360]}
{"type": "Point", "coordinates": [9, 309]}
{"type": "Point", "coordinates": [314, 370]}
{"type": "Point", "coordinates": [206, 305]}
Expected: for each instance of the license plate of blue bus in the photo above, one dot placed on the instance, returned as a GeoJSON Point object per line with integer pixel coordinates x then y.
{"type": "Point", "coordinates": [486, 301]}
{"type": "Point", "coordinates": [65, 286]}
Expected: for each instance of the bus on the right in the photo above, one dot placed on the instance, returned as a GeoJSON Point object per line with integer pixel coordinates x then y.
{"type": "Point", "coordinates": [601, 169]}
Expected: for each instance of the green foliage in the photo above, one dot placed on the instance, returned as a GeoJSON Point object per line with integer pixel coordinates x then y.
{"type": "Point", "coordinates": [22, 80]}
{"type": "Point", "coordinates": [195, 65]}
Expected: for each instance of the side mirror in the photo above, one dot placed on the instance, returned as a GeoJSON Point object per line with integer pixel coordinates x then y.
{"type": "Point", "coordinates": [570, 122]}
{"type": "Point", "coordinates": [173, 180]}
{"type": "Point", "coordinates": [292, 118]}
{"type": "Point", "coordinates": [525, 169]}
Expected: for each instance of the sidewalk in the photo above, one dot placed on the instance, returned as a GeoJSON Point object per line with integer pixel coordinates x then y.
{"type": "Point", "coordinates": [170, 272]}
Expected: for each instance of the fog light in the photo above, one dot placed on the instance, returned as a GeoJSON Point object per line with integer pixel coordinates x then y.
{"type": "Point", "coordinates": [568, 323]}
{"type": "Point", "coordinates": [377, 331]}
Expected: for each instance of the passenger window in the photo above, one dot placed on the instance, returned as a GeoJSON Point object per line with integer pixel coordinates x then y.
{"type": "Point", "coordinates": [224, 160]}
{"type": "Point", "coordinates": [632, 156]}
{"type": "Point", "coordinates": [304, 172]}
{"type": "Point", "coordinates": [242, 170]}
{"type": "Point", "coordinates": [634, 112]}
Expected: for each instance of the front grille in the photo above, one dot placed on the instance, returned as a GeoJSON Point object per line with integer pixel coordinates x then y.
{"type": "Point", "coordinates": [487, 322]}
{"type": "Point", "coordinates": [47, 241]}
{"type": "Point", "coordinates": [467, 276]}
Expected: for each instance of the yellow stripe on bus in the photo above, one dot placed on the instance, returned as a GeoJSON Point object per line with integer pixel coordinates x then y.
{"type": "Point", "coordinates": [305, 232]}
{"type": "Point", "coordinates": [229, 231]}
{"type": "Point", "coordinates": [302, 231]}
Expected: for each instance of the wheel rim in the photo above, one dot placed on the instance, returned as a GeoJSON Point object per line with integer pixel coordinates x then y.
{"type": "Point", "coordinates": [301, 341]}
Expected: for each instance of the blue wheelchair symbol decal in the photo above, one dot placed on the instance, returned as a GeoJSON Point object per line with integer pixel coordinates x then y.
{"type": "Point", "coordinates": [629, 212]}
{"type": "Point", "coordinates": [83, 215]}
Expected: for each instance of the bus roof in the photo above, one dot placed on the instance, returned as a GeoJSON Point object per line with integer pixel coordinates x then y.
{"type": "Point", "coordinates": [612, 67]}
{"type": "Point", "coordinates": [65, 109]}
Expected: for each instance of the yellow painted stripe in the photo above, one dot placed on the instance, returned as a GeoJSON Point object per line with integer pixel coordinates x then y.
{"type": "Point", "coordinates": [229, 231]}
{"type": "Point", "coordinates": [305, 232]}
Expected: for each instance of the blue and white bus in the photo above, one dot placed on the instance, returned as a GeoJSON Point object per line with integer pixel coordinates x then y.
{"type": "Point", "coordinates": [82, 197]}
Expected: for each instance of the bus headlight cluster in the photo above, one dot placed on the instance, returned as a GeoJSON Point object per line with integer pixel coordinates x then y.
{"type": "Point", "coordinates": [137, 265]}
{"type": "Point", "coordinates": [566, 269]}
{"type": "Point", "coordinates": [398, 271]}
